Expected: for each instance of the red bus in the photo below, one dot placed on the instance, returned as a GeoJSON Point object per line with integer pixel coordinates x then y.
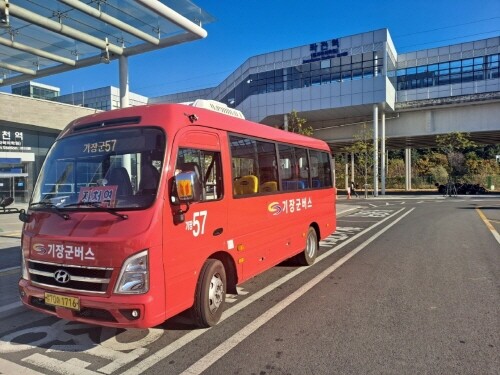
{"type": "Point", "coordinates": [141, 213]}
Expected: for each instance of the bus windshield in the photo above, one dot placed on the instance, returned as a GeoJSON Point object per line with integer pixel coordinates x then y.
{"type": "Point", "coordinates": [112, 169]}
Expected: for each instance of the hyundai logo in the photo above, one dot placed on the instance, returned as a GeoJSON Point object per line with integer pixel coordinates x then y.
{"type": "Point", "coordinates": [62, 276]}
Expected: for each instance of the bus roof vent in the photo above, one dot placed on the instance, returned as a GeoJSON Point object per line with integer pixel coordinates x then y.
{"type": "Point", "coordinates": [213, 105]}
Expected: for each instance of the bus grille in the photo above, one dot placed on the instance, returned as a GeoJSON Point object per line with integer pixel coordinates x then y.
{"type": "Point", "coordinates": [70, 278]}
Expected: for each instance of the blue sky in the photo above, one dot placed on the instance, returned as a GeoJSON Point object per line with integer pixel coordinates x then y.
{"type": "Point", "coordinates": [245, 28]}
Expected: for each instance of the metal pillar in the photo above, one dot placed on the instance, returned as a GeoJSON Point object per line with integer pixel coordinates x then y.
{"type": "Point", "coordinates": [352, 167]}
{"type": "Point", "coordinates": [382, 153]}
{"type": "Point", "coordinates": [375, 150]}
{"type": "Point", "coordinates": [346, 158]}
{"type": "Point", "coordinates": [285, 123]}
{"type": "Point", "coordinates": [334, 173]}
{"type": "Point", "coordinates": [408, 169]}
{"type": "Point", "coordinates": [386, 162]}
{"type": "Point", "coordinates": [124, 103]}
{"type": "Point", "coordinates": [124, 87]}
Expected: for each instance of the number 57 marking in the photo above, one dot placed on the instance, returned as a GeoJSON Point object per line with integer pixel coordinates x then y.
{"type": "Point", "coordinates": [199, 219]}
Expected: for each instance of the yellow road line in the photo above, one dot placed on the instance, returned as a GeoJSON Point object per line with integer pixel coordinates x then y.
{"type": "Point", "coordinates": [488, 224]}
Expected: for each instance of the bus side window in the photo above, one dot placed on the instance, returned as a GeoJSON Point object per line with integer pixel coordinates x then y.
{"type": "Point", "coordinates": [321, 171]}
{"type": "Point", "coordinates": [294, 167]}
{"type": "Point", "coordinates": [254, 166]}
{"type": "Point", "coordinates": [207, 166]}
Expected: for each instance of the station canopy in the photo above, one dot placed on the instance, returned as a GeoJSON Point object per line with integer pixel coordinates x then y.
{"type": "Point", "coordinates": [44, 37]}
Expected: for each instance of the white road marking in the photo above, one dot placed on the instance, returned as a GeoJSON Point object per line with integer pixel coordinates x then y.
{"type": "Point", "coordinates": [488, 224]}
{"type": "Point", "coordinates": [347, 210]}
{"type": "Point", "coordinates": [229, 344]}
{"type": "Point", "coordinates": [163, 353]}
{"type": "Point", "coordinates": [372, 213]}
{"type": "Point", "coordinates": [11, 368]}
{"type": "Point", "coordinates": [10, 306]}
{"type": "Point", "coordinates": [357, 221]}
{"type": "Point", "coordinates": [10, 269]}
{"type": "Point", "coordinates": [60, 367]}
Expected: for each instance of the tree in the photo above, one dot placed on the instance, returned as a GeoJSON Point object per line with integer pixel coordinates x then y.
{"type": "Point", "coordinates": [298, 125]}
{"type": "Point", "coordinates": [363, 147]}
{"type": "Point", "coordinates": [453, 145]}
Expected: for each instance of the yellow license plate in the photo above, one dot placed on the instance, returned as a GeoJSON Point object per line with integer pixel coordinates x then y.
{"type": "Point", "coordinates": [62, 301]}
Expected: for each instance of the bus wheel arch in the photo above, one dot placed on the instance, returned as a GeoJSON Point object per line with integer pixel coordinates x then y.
{"type": "Point", "coordinates": [230, 266]}
{"type": "Point", "coordinates": [310, 252]}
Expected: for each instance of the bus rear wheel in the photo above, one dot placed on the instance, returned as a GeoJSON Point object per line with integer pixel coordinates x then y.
{"type": "Point", "coordinates": [210, 294]}
{"type": "Point", "coordinates": [308, 256]}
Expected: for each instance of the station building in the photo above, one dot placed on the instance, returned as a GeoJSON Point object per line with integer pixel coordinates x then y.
{"type": "Point", "coordinates": [343, 84]}
{"type": "Point", "coordinates": [28, 127]}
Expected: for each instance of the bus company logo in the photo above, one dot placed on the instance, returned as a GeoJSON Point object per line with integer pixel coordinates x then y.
{"type": "Point", "coordinates": [274, 208]}
{"type": "Point", "coordinates": [40, 248]}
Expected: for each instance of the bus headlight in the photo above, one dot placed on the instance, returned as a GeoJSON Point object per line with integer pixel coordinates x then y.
{"type": "Point", "coordinates": [24, 270]}
{"type": "Point", "coordinates": [134, 275]}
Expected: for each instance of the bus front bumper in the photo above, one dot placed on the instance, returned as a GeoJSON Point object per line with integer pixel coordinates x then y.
{"type": "Point", "coordinates": [121, 311]}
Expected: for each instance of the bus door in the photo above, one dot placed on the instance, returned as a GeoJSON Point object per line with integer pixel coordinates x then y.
{"type": "Point", "coordinates": [203, 229]}
{"type": "Point", "coordinates": [260, 237]}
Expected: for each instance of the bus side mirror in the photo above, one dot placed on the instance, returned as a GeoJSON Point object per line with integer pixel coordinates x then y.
{"type": "Point", "coordinates": [187, 187]}
{"type": "Point", "coordinates": [23, 216]}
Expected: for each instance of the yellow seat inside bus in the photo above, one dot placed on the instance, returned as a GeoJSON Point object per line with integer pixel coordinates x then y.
{"type": "Point", "coordinates": [246, 185]}
{"type": "Point", "coordinates": [269, 186]}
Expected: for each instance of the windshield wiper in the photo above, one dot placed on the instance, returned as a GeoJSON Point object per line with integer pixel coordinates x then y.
{"type": "Point", "coordinates": [98, 205]}
{"type": "Point", "coordinates": [52, 207]}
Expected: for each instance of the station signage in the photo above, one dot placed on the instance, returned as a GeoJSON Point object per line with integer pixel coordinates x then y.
{"type": "Point", "coordinates": [12, 141]}
{"type": "Point", "coordinates": [324, 50]}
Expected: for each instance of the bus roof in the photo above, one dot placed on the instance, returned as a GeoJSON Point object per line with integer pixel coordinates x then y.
{"type": "Point", "coordinates": [172, 117]}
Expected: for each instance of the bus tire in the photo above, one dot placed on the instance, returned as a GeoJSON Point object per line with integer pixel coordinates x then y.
{"type": "Point", "coordinates": [308, 256]}
{"type": "Point", "coordinates": [210, 294]}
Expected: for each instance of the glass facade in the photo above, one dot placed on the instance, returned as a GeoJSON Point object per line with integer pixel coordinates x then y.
{"type": "Point", "coordinates": [104, 98]}
{"type": "Point", "coordinates": [361, 66]}
{"type": "Point", "coordinates": [451, 72]}
{"type": "Point", "coordinates": [36, 90]}
{"type": "Point", "coordinates": [22, 154]}
{"type": "Point", "coordinates": [365, 65]}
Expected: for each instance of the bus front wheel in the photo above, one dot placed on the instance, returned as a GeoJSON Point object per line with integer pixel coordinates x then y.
{"type": "Point", "coordinates": [210, 294]}
{"type": "Point", "coordinates": [308, 256]}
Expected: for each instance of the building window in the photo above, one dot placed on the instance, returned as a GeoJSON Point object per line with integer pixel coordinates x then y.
{"type": "Point", "coordinates": [360, 66]}
{"type": "Point", "coordinates": [453, 72]}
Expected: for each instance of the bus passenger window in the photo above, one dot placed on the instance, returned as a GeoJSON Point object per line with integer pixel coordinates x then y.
{"type": "Point", "coordinates": [207, 166]}
{"type": "Point", "coordinates": [321, 171]}
{"type": "Point", "coordinates": [294, 167]}
{"type": "Point", "coordinates": [254, 166]}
